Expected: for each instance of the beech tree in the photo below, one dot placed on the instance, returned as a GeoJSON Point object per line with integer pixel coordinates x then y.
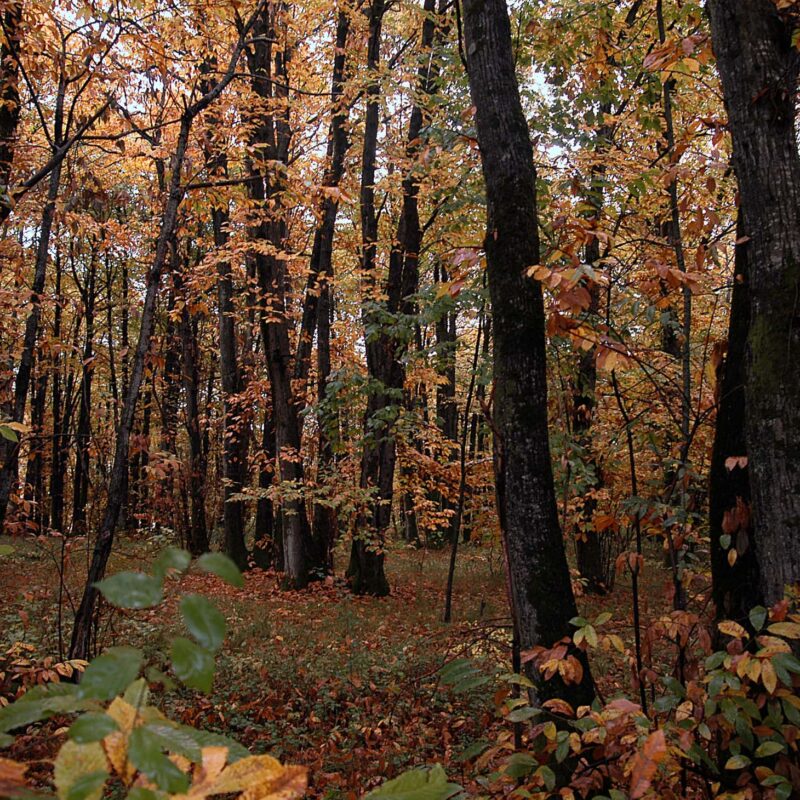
{"type": "Point", "coordinates": [541, 594]}
{"type": "Point", "coordinates": [758, 64]}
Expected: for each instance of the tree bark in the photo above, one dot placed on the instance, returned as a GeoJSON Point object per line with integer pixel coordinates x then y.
{"type": "Point", "coordinates": [271, 139]}
{"type": "Point", "coordinates": [9, 99]}
{"type": "Point", "coordinates": [735, 586]}
{"type": "Point", "coordinates": [758, 65]}
{"type": "Point", "coordinates": [365, 571]}
{"type": "Point", "coordinates": [539, 581]}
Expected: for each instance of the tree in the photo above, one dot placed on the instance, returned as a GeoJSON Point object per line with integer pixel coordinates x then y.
{"type": "Point", "coordinates": [84, 618]}
{"type": "Point", "coordinates": [539, 583]}
{"type": "Point", "coordinates": [758, 64]}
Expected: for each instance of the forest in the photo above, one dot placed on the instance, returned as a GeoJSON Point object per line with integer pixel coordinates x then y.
{"type": "Point", "coordinates": [399, 399]}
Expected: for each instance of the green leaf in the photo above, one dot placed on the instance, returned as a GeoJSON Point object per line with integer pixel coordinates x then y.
{"type": "Point", "coordinates": [89, 785]}
{"type": "Point", "coordinates": [8, 433]}
{"type": "Point", "coordinates": [202, 739]}
{"type": "Point", "coordinates": [38, 704]}
{"type": "Point", "coordinates": [523, 714]}
{"type": "Point", "coordinates": [766, 749]}
{"type": "Point", "coordinates": [737, 762]}
{"type": "Point", "coordinates": [473, 751]}
{"type": "Point", "coordinates": [193, 664]}
{"type": "Point", "coordinates": [519, 765]}
{"type": "Point", "coordinates": [111, 673]}
{"type": "Point", "coordinates": [203, 620]}
{"type": "Point", "coordinates": [137, 694]}
{"type": "Point", "coordinates": [175, 739]}
{"type": "Point", "coordinates": [758, 616]}
{"type": "Point", "coordinates": [77, 771]}
{"type": "Point", "coordinates": [172, 558]}
{"type": "Point", "coordinates": [548, 776]}
{"type": "Point", "coordinates": [140, 793]}
{"type": "Point", "coordinates": [220, 565]}
{"type": "Point", "coordinates": [131, 590]}
{"type": "Point", "coordinates": [144, 752]}
{"type": "Point", "coordinates": [6, 740]}
{"type": "Point", "coordinates": [92, 727]}
{"type": "Point", "coordinates": [417, 784]}
{"type": "Point", "coordinates": [6, 549]}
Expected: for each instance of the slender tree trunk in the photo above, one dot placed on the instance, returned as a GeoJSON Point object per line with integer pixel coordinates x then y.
{"type": "Point", "coordinates": [236, 425]}
{"type": "Point", "coordinates": [57, 444]}
{"type": "Point", "coordinates": [271, 139]}
{"type": "Point", "coordinates": [9, 451]}
{"type": "Point", "coordinates": [759, 64]}
{"type": "Point", "coordinates": [81, 634]}
{"type": "Point", "coordinates": [80, 485]}
{"type": "Point", "coordinates": [268, 551]}
{"type": "Point", "coordinates": [317, 307]}
{"type": "Point", "coordinates": [539, 582]}
{"type": "Point", "coordinates": [34, 474]}
{"type": "Point", "coordinates": [365, 570]}
{"type": "Point", "coordinates": [197, 535]}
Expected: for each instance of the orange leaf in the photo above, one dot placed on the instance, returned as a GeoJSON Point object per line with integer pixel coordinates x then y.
{"type": "Point", "coordinates": [646, 762]}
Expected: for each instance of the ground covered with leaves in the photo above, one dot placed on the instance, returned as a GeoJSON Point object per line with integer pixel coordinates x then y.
{"type": "Point", "coordinates": [348, 686]}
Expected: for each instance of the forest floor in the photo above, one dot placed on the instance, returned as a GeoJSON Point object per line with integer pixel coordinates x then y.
{"type": "Point", "coordinates": [346, 685]}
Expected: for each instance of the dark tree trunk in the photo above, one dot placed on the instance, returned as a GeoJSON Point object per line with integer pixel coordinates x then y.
{"type": "Point", "coordinates": [541, 592]}
{"type": "Point", "coordinates": [236, 426]}
{"type": "Point", "coordinates": [80, 485]}
{"type": "Point", "coordinates": [365, 570]}
{"type": "Point", "coordinates": [57, 456]}
{"type": "Point", "coordinates": [34, 474]}
{"type": "Point", "coordinates": [384, 350]}
{"type": "Point", "coordinates": [588, 541]}
{"type": "Point", "coordinates": [271, 139]}
{"type": "Point", "coordinates": [736, 586]}
{"type": "Point", "coordinates": [446, 406]}
{"type": "Point", "coordinates": [197, 535]}
{"type": "Point", "coordinates": [318, 306]}
{"type": "Point", "coordinates": [9, 452]}
{"type": "Point", "coordinates": [758, 64]}
{"type": "Point", "coordinates": [268, 551]}
{"type": "Point", "coordinates": [82, 632]}
{"type": "Point", "coordinates": [9, 100]}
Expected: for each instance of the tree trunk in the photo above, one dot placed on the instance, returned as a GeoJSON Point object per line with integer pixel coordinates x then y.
{"type": "Point", "coordinates": [9, 99]}
{"type": "Point", "coordinates": [270, 139]}
{"type": "Point", "coordinates": [197, 535]}
{"type": "Point", "coordinates": [758, 65]}
{"type": "Point", "coordinates": [539, 581]}
{"type": "Point", "coordinates": [9, 451]}
{"type": "Point", "coordinates": [236, 424]}
{"type": "Point", "coordinates": [80, 485]}
{"type": "Point", "coordinates": [735, 586]}
{"type": "Point", "coordinates": [365, 571]}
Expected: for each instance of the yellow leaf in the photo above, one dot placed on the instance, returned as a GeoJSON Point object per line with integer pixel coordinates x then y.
{"type": "Point", "coordinates": [289, 785]}
{"type": "Point", "coordinates": [247, 773]}
{"type": "Point", "coordinates": [791, 630]}
{"type": "Point", "coordinates": [75, 761]}
{"type": "Point", "coordinates": [768, 677]}
{"type": "Point", "coordinates": [731, 628]}
{"type": "Point", "coordinates": [732, 556]}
